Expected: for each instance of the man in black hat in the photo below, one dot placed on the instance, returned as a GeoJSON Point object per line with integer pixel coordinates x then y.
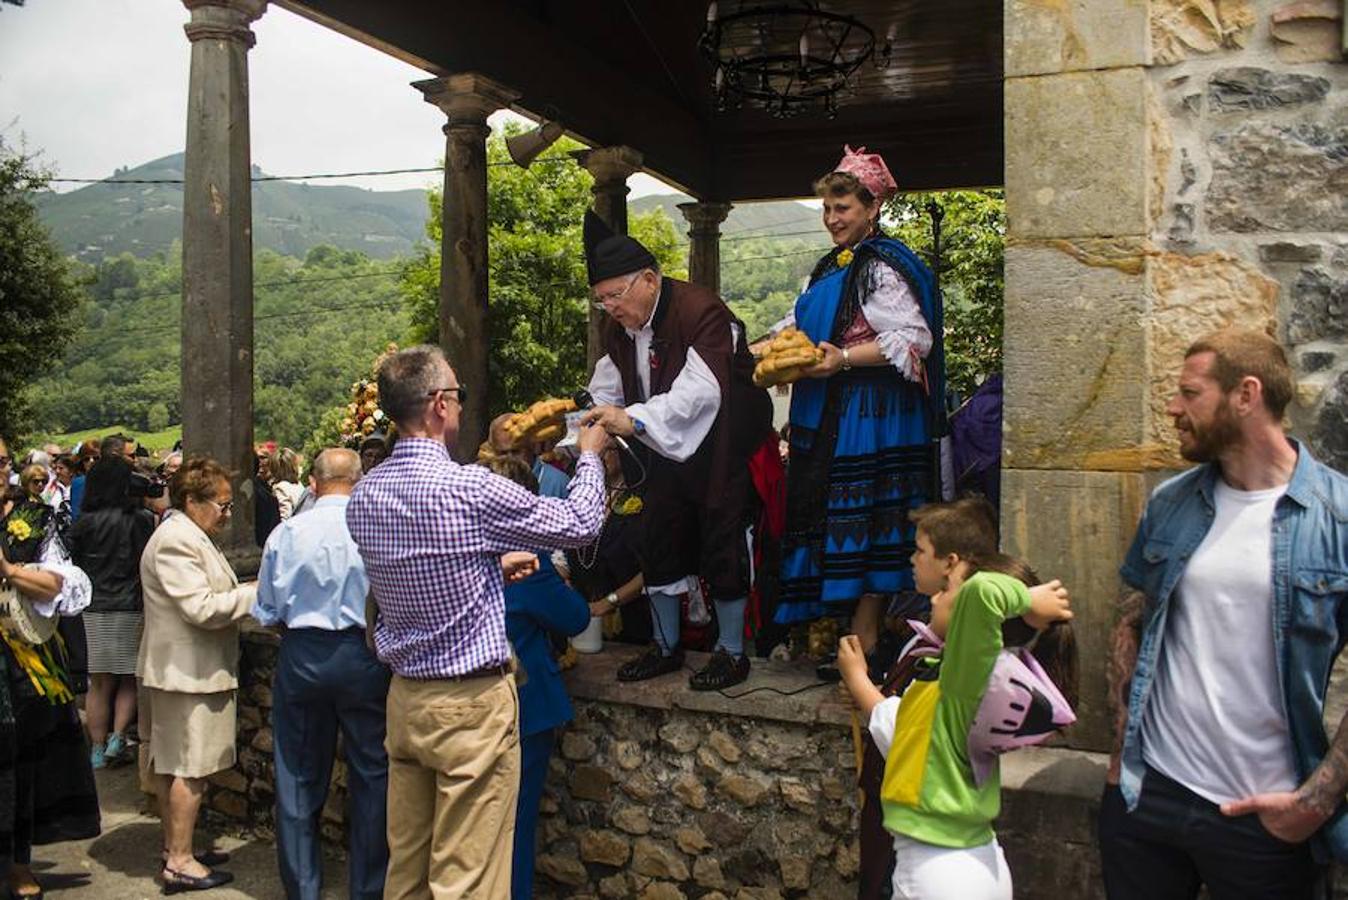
{"type": "Point", "coordinates": [677, 380]}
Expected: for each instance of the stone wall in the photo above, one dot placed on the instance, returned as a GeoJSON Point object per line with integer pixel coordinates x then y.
{"type": "Point", "coordinates": [656, 791]}
{"type": "Point", "coordinates": [1172, 166]}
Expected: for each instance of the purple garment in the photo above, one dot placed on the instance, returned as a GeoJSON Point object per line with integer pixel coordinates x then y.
{"type": "Point", "coordinates": [431, 533]}
{"type": "Point", "coordinates": [976, 432]}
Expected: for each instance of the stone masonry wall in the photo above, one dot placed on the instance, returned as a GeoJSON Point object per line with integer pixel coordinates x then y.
{"type": "Point", "coordinates": [655, 791]}
{"type": "Point", "coordinates": [1172, 166]}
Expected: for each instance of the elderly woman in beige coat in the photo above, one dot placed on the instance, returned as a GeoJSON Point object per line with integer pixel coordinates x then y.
{"type": "Point", "coordinates": [189, 661]}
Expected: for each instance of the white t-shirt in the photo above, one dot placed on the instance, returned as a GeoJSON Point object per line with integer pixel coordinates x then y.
{"type": "Point", "coordinates": [1215, 720]}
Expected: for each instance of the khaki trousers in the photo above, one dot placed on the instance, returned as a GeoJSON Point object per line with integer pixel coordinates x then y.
{"type": "Point", "coordinates": [453, 780]}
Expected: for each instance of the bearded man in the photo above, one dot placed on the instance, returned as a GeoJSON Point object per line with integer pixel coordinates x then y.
{"type": "Point", "coordinates": [1224, 775]}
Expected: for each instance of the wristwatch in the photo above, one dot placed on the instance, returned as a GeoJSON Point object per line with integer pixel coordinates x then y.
{"type": "Point", "coordinates": [612, 599]}
{"type": "Point", "coordinates": [638, 427]}
{"type": "Point", "coordinates": [847, 358]}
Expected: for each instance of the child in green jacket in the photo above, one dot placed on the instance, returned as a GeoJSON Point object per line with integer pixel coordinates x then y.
{"type": "Point", "coordinates": [941, 819]}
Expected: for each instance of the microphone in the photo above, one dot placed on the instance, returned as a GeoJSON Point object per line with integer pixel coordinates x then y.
{"type": "Point", "coordinates": [584, 401]}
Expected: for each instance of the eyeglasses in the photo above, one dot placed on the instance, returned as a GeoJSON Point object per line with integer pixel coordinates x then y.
{"type": "Point", "coordinates": [461, 393]}
{"type": "Point", "coordinates": [601, 301]}
{"type": "Point", "coordinates": [223, 507]}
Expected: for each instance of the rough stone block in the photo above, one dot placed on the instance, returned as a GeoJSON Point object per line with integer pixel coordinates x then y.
{"type": "Point", "coordinates": [614, 887]}
{"type": "Point", "coordinates": [726, 830]}
{"type": "Point", "coordinates": [262, 741]}
{"type": "Point", "coordinates": [744, 790]}
{"type": "Point", "coordinates": [605, 847]}
{"type": "Point", "coordinates": [641, 788]}
{"type": "Point", "coordinates": [1268, 177]}
{"type": "Point", "coordinates": [1308, 31]}
{"type": "Point", "coordinates": [233, 805]}
{"type": "Point", "coordinates": [658, 860]}
{"type": "Point", "coordinates": [1319, 307]}
{"type": "Point", "coordinates": [797, 795]}
{"type": "Point", "coordinates": [1080, 155]}
{"type": "Point", "coordinates": [1250, 88]}
{"type": "Point", "coordinates": [632, 820]}
{"type": "Point", "coordinates": [795, 872]}
{"type": "Point", "coordinates": [662, 890]}
{"type": "Point", "coordinates": [725, 746]}
{"type": "Point", "coordinates": [1077, 526]}
{"type": "Point", "coordinates": [562, 869]}
{"type": "Point", "coordinates": [628, 754]}
{"type": "Point", "coordinates": [1184, 28]}
{"type": "Point", "coordinates": [577, 747]}
{"type": "Point", "coordinates": [1044, 38]}
{"type": "Point", "coordinates": [1075, 351]}
{"type": "Point", "coordinates": [591, 783]}
{"type": "Point", "coordinates": [680, 736]}
{"type": "Point", "coordinates": [1329, 434]}
{"type": "Point", "coordinates": [690, 791]}
{"type": "Point", "coordinates": [231, 780]}
{"type": "Point", "coordinates": [707, 872]}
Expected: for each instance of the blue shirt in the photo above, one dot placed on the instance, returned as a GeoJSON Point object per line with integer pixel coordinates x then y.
{"type": "Point", "coordinates": [311, 574]}
{"type": "Point", "coordinates": [1310, 606]}
{"type": "Point", "coordinates": [552, 482]}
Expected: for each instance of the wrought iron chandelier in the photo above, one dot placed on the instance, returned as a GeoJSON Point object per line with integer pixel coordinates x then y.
{"type": "Point", "coordinates": [786, 57]}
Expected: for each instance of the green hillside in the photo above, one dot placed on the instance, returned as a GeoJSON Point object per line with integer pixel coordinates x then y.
{"type": "Point", "coordinates": [291, 218]}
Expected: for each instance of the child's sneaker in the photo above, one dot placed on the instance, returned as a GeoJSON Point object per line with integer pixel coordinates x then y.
{"type": "Point", "coordinates": [98, 756]}
{"type": "Point", "coordinates": [116, 748]}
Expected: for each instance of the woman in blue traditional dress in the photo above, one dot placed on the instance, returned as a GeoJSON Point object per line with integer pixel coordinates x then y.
{"type": "Point", "coordinates": [864, 420]}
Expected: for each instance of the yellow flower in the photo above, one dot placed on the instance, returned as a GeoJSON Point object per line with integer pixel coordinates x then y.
{"type": "Point", "coordinates": [630, 506]}
{"type": "Point", "coordinates": [20, 530]}
{"type": "Point", "coordinates": [844, 258]}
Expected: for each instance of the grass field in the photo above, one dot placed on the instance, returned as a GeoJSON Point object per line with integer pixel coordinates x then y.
{"type": "Point", "coordinates": [153, 440]}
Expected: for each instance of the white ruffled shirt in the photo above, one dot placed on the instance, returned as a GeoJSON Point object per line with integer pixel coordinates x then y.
{"type": "Point", "coordinates": [677, 421]}
{"type": "Point", "coordinates": [893, 311]}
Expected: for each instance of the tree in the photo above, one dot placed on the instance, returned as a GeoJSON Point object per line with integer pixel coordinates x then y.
{"type": "Point", "coordinates": [973, 237]}
{"type": "Point", "coordinates": [39, 298]}
{"type": "Point", "coordinates": [538, 294]}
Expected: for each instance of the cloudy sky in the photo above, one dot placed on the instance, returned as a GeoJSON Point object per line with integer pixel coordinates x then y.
{"type": "Point", "coordinates": [97, 84]}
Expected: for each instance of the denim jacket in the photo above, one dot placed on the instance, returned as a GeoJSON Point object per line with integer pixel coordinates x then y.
{"type": "Point", "coordinates": [1310, 606]}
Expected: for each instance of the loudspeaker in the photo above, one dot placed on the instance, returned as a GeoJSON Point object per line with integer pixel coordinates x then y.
{"type": "Point", "coordinates": [525, 148]}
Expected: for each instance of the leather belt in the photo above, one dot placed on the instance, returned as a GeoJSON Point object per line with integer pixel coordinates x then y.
{"type": "Point", "coordinates": [484, 672]}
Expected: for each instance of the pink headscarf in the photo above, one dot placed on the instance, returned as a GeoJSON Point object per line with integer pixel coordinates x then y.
{"type": "Point", "coordinates": [870, 170]}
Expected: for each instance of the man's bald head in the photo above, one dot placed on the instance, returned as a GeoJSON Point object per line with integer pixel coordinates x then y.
{"type": "Point", "coordinates": [336, 471]}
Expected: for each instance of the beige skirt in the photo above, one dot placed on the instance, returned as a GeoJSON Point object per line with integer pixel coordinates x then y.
{"type": "Point", "coordinates": [191, 735]}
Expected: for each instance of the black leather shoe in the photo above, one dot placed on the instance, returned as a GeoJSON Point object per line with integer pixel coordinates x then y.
{"type": "Point", "coordinates": [720, 672]}
{"type": "Point", "coordinates": [178, 883]}
{"type": "Point", "coordinates": [651, 664]}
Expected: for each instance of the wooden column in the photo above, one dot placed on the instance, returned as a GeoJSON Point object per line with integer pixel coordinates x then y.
{"type": "Point", "coordinates": [610, 167]}
{"type": "Point", "coordinates": [217, 310]}
{"type": "Point", "coordinates": [467, 100]}
{"type": "Point", "coordinates": [704, 241]}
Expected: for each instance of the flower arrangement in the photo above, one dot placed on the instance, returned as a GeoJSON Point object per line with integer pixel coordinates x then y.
{"type": "Point", "coordinates": [363, 416]}
{"type": "Point", "coordinates": [845, 258]}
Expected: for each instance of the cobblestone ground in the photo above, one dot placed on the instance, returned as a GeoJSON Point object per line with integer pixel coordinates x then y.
{"type": "Point", "coordinates": [121, 863]}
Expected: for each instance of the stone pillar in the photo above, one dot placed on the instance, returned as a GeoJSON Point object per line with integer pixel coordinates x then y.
{"type": "Point", "coordinates": [467, 100]}
{"type": "Point", "coordinates": [217, 311]}
{"type": "Point", "coordinates": [610, 167]}
{"type": "Point", "coordinates": [704, 242]}
{"type": "Point", "coordinates": [1145, 159]}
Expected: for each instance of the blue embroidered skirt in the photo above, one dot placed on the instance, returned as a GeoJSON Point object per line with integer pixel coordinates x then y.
{"type": "Point", "coordinates": [848, 495]}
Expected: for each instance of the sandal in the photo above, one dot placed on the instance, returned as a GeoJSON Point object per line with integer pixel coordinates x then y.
{"type": "Point", "coordinates": [208, 858]}
{"type": "Point", "coordinates": [720, 672]}
{"type": "Point", "coordinates": [651, 664]}
{"type": "Point", "coordinates": [179, 882]}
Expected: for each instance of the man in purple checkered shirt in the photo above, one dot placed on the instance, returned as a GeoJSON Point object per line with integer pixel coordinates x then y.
{"type": "Point", "coordinates": [438, 541]}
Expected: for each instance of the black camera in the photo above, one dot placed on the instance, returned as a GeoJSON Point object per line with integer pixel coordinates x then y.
{"type": "Point", "coordinates": [145, 487]}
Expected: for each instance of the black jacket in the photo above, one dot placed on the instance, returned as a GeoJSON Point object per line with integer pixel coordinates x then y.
{"type": "Point", "coordinates": [107, 544]}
